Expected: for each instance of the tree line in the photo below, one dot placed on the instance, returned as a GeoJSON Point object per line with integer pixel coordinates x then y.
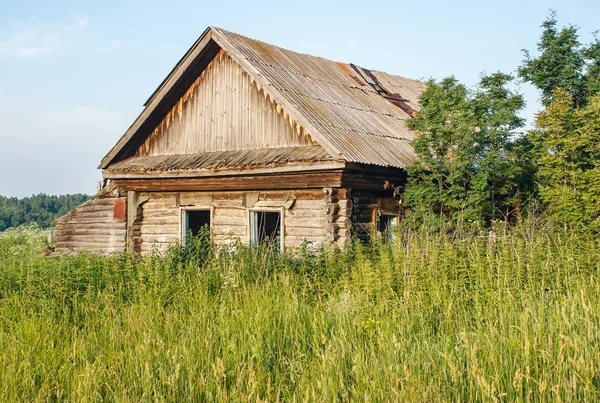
{"type": "Point", "coordinates": [474, 163]}
{"type": "Point", "coordinates": [41, 209]}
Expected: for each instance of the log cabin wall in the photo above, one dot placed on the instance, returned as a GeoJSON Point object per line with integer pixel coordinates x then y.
{"type": "Point", "coordinates": [159, 219]}
{"type": "Point", "coordinates": [364, 207]}
{"type": "Point", "coordinates": [224, 110]}
{"type": "Point", "coordinates": [92, 227]}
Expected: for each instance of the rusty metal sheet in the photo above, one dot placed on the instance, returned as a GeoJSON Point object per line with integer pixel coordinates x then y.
{"type": "Point", "coordinates": [344, 102]}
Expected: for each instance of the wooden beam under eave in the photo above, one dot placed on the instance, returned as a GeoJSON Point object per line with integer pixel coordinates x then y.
{"type": "Point", "coordinates": [270, 182]}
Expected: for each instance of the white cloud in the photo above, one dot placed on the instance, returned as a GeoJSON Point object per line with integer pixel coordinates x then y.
{"type": "Point", "coordinates": [32, 38]}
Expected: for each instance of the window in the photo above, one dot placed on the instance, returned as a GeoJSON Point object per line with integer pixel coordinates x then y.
{"type": "Point", "coordinates": [386, 224]}
{"type": "Point", "coordinates": [266, 227]}
{"type": "Point", "coordinates": [194, 221]}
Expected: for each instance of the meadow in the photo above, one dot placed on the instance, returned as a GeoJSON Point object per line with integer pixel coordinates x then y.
{"type": "Point", "coordinates": [430, 317]}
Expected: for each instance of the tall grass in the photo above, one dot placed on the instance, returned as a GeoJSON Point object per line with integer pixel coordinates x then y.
{"type": "Point", "coordinates": [430, 318]}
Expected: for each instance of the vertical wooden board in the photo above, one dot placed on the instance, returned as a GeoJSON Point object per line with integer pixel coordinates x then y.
{"type": "Point", "coordinates": [223, 110]}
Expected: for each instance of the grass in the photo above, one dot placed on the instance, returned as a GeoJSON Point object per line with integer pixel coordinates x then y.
{"type": "Point", "coordinates": [431, 318]}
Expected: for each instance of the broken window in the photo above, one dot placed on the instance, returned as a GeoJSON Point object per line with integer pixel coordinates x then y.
{"type": "Point", "coordinates": [266, 228]}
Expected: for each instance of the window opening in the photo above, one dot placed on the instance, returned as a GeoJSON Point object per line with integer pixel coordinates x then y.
{"type": "Point", "coordinates": [386, 224]}
{"type": "Point", "coordinates": [194, 221]}
{"type": "Point", "coordinates": [266, 227]}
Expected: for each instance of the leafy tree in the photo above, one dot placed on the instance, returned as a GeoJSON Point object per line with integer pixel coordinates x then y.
{"type": "Point", "coordinates": [567, 132]}
{"type": "Point", "coordinates": [469, 164]}
{"type": "Point", "coordinates": [567, 140]}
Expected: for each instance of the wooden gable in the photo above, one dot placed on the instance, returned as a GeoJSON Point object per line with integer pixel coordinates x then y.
{"type": "Point", "coordinates": [224, 110]}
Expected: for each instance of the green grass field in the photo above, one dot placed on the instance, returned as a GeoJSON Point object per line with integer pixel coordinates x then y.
{"type": "Point", "coordinates": [432, 318]}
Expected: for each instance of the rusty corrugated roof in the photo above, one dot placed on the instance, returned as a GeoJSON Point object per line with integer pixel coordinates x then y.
{"type": "Point", "coordinates": [357, 120]}
{"type": "Point", "coordinates": [342, 106]}
{"type": "Point", "coordinates": [221, 159]}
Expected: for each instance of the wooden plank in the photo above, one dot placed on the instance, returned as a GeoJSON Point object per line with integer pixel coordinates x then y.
{"type": "Point", "coordinates": [314, 180]}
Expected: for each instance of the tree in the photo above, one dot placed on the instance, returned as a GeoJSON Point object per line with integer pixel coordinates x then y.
{"type": "Point", "coordinates": [41, 209]}
{"type": "Point", "coordinates": [567, 132]}
{"type": "Point", "coordinates": [468, 152]}
{"type": "Point", "coordinates": [563, 63]}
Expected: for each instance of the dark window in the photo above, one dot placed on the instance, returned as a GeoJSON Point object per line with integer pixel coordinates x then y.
{"type": "Point", "coordinates": [386, 224]}
{"type": "Point", "coordinates": [266, 227]}
{"type": "Point", "coordinates": [194, 220]}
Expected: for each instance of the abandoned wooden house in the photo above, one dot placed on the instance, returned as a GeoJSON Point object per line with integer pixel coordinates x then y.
{"type": "Point", "coordinates": [257, 142]}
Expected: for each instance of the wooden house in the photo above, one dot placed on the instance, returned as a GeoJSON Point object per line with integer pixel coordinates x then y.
{"type": "Point", "coordinates": [257, 142]}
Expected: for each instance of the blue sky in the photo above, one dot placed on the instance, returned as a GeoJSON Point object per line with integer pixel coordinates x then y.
{"type": "Point", "coordinates": [74, 74]}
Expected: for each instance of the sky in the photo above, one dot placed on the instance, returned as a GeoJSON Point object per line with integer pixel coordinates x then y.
{"type": "Point", "coordinates": [75, 74]}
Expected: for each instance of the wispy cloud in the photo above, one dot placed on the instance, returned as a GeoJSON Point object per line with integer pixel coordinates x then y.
{"type": "Point", "coordinates": [33, 38]}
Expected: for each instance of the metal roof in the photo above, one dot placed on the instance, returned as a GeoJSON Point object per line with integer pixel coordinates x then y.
{"type": "Point", "coordinates": [357, 120]}
{"type": "Point", "coordinates": [355, 114]}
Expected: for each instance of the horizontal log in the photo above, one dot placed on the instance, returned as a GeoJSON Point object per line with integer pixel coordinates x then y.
{"type": "Point", "coordinates": [341, 193]}
{"type": "Point", "coordinates": [309, 222]}
{"type": "Point", "coordinates": [345, 204]}
{"type": "Point", "coordinates": [168, 220]}
{"type": "Point", "coordinates": [344, 233]}
{"type": "Point", "coordinates": [102, 251]}
{"type": "Point", "coordinates": [170, 229]}
{"type": "Point", "coordinates": [237, 203]}
{"type": "Point", "coordinates": [242, 238]}
{"type": "Point", "coordinates": [230, 212]}
{"type": "Point", "coordinates": [155, 238]}
{"type": "Point", "coordinates": [317, 212]}
{"type": "Point", "coordinates": [91, 214]}
{"type": "Point", "coordinates": [309, 205]}
{"type": "Point", "coordinates": [93, 209]}
{"type": "Point", "coordinates": [82, 230]}
{"type": "Point", "coordinates": [161, 213]}
{"type": "Point", "coordinates": [111, 225]}
{"type": "Point", "coordinates": [229, 230]}
{"type": "Point", "coordinates": [87, 245]}
{"type": "Point", "coordinates": [96, 239]}
{"type": "Point", "coordinates": [226, 220]}
{"type": "Point", "coordinates": [298, 240]}
{"type": "Point", "coordinates": [306, 232]}
{"type": "Point", "coordinates": [345, 212]}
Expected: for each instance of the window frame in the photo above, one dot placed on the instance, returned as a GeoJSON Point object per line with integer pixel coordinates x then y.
{"type": "Point", "coordinates": [252, 220]}
{"type": "Point", "coordinates": [183, 210]}
{"type": "Point", "coordinates": [383, 213]}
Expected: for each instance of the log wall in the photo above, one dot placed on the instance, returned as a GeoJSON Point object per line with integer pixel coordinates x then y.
{"type": "Point", "coordinates": [91, 227]}
{"type": "Point", "coordinates": [304, 211]}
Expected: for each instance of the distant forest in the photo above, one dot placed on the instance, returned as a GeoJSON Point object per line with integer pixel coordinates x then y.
{"type": "Point", "coordinates": [41, 209]}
